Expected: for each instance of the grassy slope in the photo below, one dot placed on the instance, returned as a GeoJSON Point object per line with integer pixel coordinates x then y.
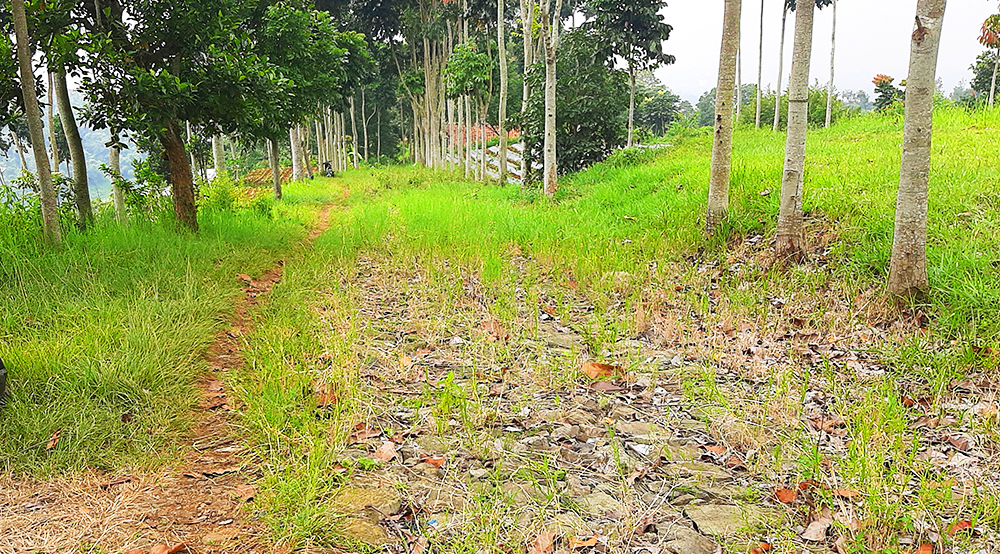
{"type": "Point", "coordinates": [644, 220]}
{"type": "Point", "coordinates": [104, 337]}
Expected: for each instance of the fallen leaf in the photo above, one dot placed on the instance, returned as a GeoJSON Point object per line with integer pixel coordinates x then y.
{"type": "Point", "coordinates": [595, 370]}
{"type": "Point", "coordinates": [363, 432]}
{"type": "Point", "coordinates": [816, 531]}
{"type": "Point", "coordinates": [735, 462]}
{"type": "Point", "coordinates": [544, 543]}
{"type": "Point", "coordinates": [386, 452]}
{"type": "Point", "coordinates": [762, 548]}
{"type": "Point", "coordinates": [244, 277]}
{"type": "Point", "coordinates": [164, 549]}
{"type": "Point", "coordinates": [841, 544]}
{"type": "Point", "coordinates": [495, 329]}
{"type": "Point", "coordinates": [436, 461]}
{"type": "Point", "coordinates": [960, 442]}
{"type": "Point", "coordinates": [959, 526]}
{"type": "Point", "coordinates": [246, 493]}
{"type": "Point", "coordinates": [786, 496]}
{"type": "Point", "coordinates": [606, 387]}
{"type": "Point", "coordinates": [419, 546]}
{"type": "Point", "coordinates": [53, 440]}
{"type": "Point", "coordinates": [926, 548]}
{"type": "Point", "coordinates": [833, 425]}
{"type": "Point", "coordinates": [847, 520]}
{"type": "Point", "coordinates": [846, 493]}
{"type": "Point", "coordinates": [716, 449]}
{"type": "Point", "coordinates": [575, 543]}
{"type": "Point", "coordinates": [113, 482]}
{"type": "Point", "coordinates": [136, 551]}
{"type": "Point", "coordinates": [645, 524]}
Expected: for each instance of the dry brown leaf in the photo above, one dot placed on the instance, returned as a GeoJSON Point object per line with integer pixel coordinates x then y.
{"type": "Point", "coordinates": [575, 543]}
{"type": "Point", "coordinates": [926, 548]}
{"type": "Point", "coordinates": [786, 496]}
{"type": "Point", "coordinates": [544, 543]}
{"type": "Point", "coordinates": [715, 449]}
{"type": "Point", "coordinates": [595, 370]}
{"type": "Point", "coordinates": [53, 440]}
{"type": "Point", "coordinates": [960, 442]}
{"type": "Point", "coordinates": [959, 526]}
{"type": "Point", "coordinates": [136, 551]}
{"type": "Point", "coordinates": [164, 549]}
{"type": "Point", "coordinates": [816, 531]}
{"type": "Point", "coordinates": [833, 425]}
{"type": "Point", "coordinates": [386, 452]}
{"type": "Point", "coordinates": [495, 329]}
{"type": "Point", "coordinates": [607, 387]}
{"type": "Point", "coordinates": [436, 461]}
{"type": "Point", "coordinates": [363, 432]}
{"type": "Point", "coordinates": [419, 546]}
{"type": "Point", "coordinates": [846, 493]}
{"type": "Point", "coordinates": [764, 547]}
{"type": "Point", "coordinates": [841, 544]}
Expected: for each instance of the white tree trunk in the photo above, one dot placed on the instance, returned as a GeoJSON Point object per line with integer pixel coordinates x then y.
{"type": "Point", "coordinates": [833, 58]}
{"type": "Point", "coordinates": [550, 32]}
{"type": "Point", "coordinates": [781, 68]}
{"type": "Point", "coordinates": [722, 145]}
{"type": "Point", "coordinates": [303, 136]}
{"type": "Point", "coordinates": [53, 145]}
{"type": "Point", "coordinates": [218, 155]}
{"type": "Point", "coordinates": [502, 116]}
{"type": "Point", "coordinates": [790, 234]}
{"type": "Point", "coordinates": [631, 107]}
{"type": "Point", "coordinates": [275, 162]}
{"type": "Point", "coordinates": [50, 211]}
{"type": "Point", "coordinates": [739, 83]}
{"type": "Point", "coordinates": [993, 82]}
{"type": "Point", "coordinates": [527, 26]}
{"type": "Point", "coordinates": [354, 135]}
{"type": "Point", "coordinates": [908, 266]}
{"type": "Point", "coordinates": [760, 65]}
{"type": "Point", "coordinates": [298, 172]}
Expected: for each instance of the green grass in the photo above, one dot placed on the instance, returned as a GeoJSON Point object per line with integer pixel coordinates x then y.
{"type": "Point", "coordinates": [625, 237]}
{"type": "Point", "coordinates": [105, 336]}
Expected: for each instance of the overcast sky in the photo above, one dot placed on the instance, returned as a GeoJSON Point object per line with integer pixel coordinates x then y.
{"type": "Point", "coordinates": [873, 36]}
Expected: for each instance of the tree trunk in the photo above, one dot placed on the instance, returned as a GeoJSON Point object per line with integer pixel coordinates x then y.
{"type": "Point", "coordinates": [298, 172]}
{"type": "Point", "coordinates": [81, 185]}
{"type": "Point", "coordinates": [502, 115]}
{"type": "Point", "coordinates": [469, 128]}
{"type": "Point", "coordinates": [50, 211]}
{"type": "Point", "coordinates": [275, 162]}
{"type": "Point", "coordinates": [527, 26]}
{"type": "Point", "coordinates": [722, 146]}
{"type": "Point", "coordinates": [194, 162]}
{"type": "Point", "coordinates": [993, 82]}
{"type": "Point", "coordinates": [631, 106]}
{"type": "Point", "coordinates": [115, 161]}
{"type": "Point", "coordinates": [781, 68]}
{"type": "Point", "coordinates": [550, 32]}
{"type": "Point", "coordinates": [908, 266]}
{"type": "Point", "coordinates": [739, 82]}
{"type": "Point", "coordinates": [760, 65]}
{"type": "Point", "coordinates": [364, 122]}
{"type": "Point", "coordinates": [20, 153]}
{"type": "Point", "coordinates": [218, 155]}
{"type": "Point", "coordinates": [181, 176]}
{"type": "Point", "coordinates": [354, 134]}
{"type": "Point", "coordinates": [53, 145]}
{"type": "Point", "coordinates": [833, 57]}
{"type": "Point", "coordinates": [378, 136]}
{"type": "Point", "coordinates": [790, 235]}
{"type": "Point", "coordinates": [303, 136]}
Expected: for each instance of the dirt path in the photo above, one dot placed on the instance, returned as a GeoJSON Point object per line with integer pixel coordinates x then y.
{"type": "Point", "coordinates": [199, 502]}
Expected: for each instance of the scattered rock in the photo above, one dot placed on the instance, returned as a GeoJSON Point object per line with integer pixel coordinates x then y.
{"type": "Point", "coordinates": [687, 541]}
{"type": "Point", "coordinates": [704, 473]}
{"type": "Point", "coordinates": [601, 504]}
{"type": "Point", "coordinates": [366, 532]}
{"type": "Point", "coordinates": [354, 500]}
{"type": "Point", "coordinates": [716, 519]}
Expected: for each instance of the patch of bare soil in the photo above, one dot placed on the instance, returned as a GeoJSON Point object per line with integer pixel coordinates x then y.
{"type": "Point", "coordinates": [202, 505]}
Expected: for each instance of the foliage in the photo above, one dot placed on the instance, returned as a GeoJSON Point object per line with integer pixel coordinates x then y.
{"type": "Point", "coordinates": [816, 111]}
{"type": "Point", "coordinates": [885, 92]}
{"type": "Point", "coordinates": [469, 73]}
{"type": "Point", "coordinates": [632, 31]}
{"type": "Point", "coordinates": [591, 106]}
{"type": "Point", "coordinates": [982, 76]}
{"type": "Point", "coordinates": [657, 107]}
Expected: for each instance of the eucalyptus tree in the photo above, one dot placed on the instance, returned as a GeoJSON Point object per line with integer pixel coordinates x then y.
{"type": "Point", "coordinates": [990, 38]}
{"type": "Point", "coordinates": [908, 265]}
{"type": "Point", "coordinates": [502, 109]}
{"type": "Point", "coordinates": [833, 59]}
{"type": "Point", "coordinates": [157, 63]}
{"type": "Point", "coordinates": [634, 32]}
{"type": "Point", "coordinates": [551, 25]}
{"type": "Point", "coordinates": [722, 145]}
{"type": "Point", "coordinates": [788, 6]}
{"type": "Point", "coordinates": [468, 74]}
{"type": "Point", "coordinates": [50, 212]}
{"type": "Point", "coordinates": [760, 64]}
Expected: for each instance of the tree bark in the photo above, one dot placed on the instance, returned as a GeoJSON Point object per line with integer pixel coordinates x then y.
{"type": "Point", "coordinates": [218, 155]}
{"type": "Point", "coordinates": [275, 162]}
{"type": "Point", "coordinates": [993, 82]}
{"type": "Point", "coordinates": [50, 211]}
{"type": "Point", "coordinates": [760, 65]}
{"type": "Point", "coordinates": [781, 68]}
{"type": "Point", "coordinates": [53, 145]}
{"type": "Point", "coordinates": [631, 106]}
{"type": "Point", "coordinates": [722, 146]}
{"type": "Point", "coordinates": [908, 266]}
{"type": "Point", "coordinates": [833, 57]}
{"type": "Point", "coordinates": [303, 136]}
{"type": "Point", "coordinates": [115, 161]}
{"type": "Point", "coordinates": [502, 115]}
{"type": "Point", "coordinates": [550, 32]}
{"type": "Point", "coordinates": [81, 184]}
{"type": "Point", "coordinates": [354, 134]}
{"type": "Point", "coordinates": [181, 176]}
{"type": "Point", "coordinates": [790, 234]}
{"type": "Point", "coordinates": [527, 27]}
{"type": "Point", "coordinates": [298, 173]}
{"type": "Point", "coordinates": [739, 82]}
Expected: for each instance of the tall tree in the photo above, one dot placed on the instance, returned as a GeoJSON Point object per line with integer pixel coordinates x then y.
{"type": "Point", "coordinates": [527, 29]}
{"type": "Point", "coordinates": [50, 212]}
{"type": "Point", "coordinates": [722, 146]}
{"type": "Point", "coordinates": [790, 234]}
{"type": "Point", "coordinates": [502, 109]}
{"type": "Point", "coordinates": [908, 266]}
{"type": "Point", "coordinates": [551, 23]}
{"type": "Point", "coordinates": [760, 63]}
{"type": "Point", "coordinates": [990, 38]}
{"type": "Point", "coordinates": [78, 157]}
{"type": "Point", "coordinates": [781, 66]}
{"type": "Point", "coordinates": [634, 32]}
{"type": "Point", "coordinates": [833, 58]}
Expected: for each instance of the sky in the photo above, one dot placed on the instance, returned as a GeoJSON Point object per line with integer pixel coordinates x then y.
{"type": "Point", "coordinates": [873, 36]}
